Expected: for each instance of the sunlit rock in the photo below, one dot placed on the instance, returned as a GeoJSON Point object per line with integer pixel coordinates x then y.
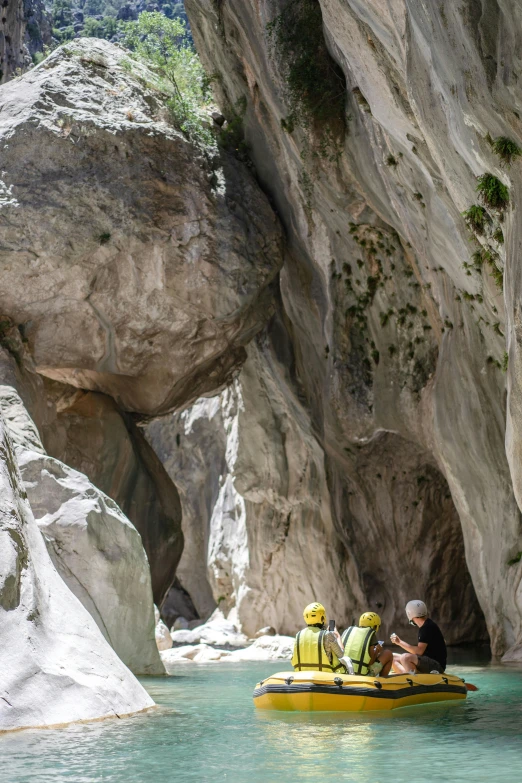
{"type": "Point", "coordinates": [57, 667]}
{"type": "Point", "coordinates": [94, 547]}
{"type": "Point", "coordinates": [399, 327]}
{"type": "Point", "coordinates": [163, 637]}
{"type": "Point", "coordinates": [155, 258]}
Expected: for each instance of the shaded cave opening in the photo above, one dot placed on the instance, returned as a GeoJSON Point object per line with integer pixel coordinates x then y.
{"type": "Point", "coordinates": [395, 516]}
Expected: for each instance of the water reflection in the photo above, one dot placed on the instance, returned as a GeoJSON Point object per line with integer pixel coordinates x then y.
{"type": "Point", "coordinates": [207, 729]}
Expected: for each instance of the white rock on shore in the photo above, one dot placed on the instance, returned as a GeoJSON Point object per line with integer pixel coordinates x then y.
{"type": "Point", "coordinates": [192, 653]}
{"type": "Point", "coordinates": [163, 637]}
{"type": "Point", "coordinates": [266, 648]}
{"type": "Point", "coordinates": [218, 631]}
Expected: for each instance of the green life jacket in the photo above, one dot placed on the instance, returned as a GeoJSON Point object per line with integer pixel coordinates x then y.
{"type": "Point", "coordinates": [356, 643]}
{"type": "Point", "coordinates": [309, 653]}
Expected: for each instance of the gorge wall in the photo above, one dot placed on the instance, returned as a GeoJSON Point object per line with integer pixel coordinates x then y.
{"type": "Point", "coordinates": [398, 336]}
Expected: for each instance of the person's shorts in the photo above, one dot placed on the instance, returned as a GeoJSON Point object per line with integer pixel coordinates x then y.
{"type": "Point", "coordinates": [375, 669]}
{"type": "Point", "coordinates": [425, 665]}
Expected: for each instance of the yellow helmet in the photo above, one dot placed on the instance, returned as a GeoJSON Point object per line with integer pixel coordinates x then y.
{"type": "Point", "coordinates": [370, 620]}
{"type": "Point", "coordinates": [315, 613]}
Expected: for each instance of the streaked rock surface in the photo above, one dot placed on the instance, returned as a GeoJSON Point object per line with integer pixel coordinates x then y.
{"type": "Point", "coordinates": [399, 345]}
{"type": "Point", "coordinates": [57, 667]}
{"type": "Point", "coordinates": [259, 514]}
{"type": "Point", "coordinates": [95, 549]}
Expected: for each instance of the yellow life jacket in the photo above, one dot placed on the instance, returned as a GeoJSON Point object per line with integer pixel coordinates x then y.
{"type": "Point", "coordinates": [356, 643]}
{"type": "Point", "coordinates": [309, 653]}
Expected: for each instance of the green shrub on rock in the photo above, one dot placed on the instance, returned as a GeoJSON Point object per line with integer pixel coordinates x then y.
{"type": "Point", "coordinates": [506, 149]}
{"type": "Point", "coordinates": [498, 236]}
{"type": "Point", "coordinates": [476, 218]}
{"type": "Point", "coordinates": [165, 44]}
{"type": "Point", "coordinates": [493, 192]}
{"type": "Point", "coordinates": [486, 255]}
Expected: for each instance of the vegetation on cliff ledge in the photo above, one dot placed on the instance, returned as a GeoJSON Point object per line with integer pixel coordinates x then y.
{"type": "Point", "coordinates": [476, 218]}
{"type": "Point", "coordinates": [493, 192]}
{"type": "Point", "coordinates": [315, 85]}
{"type": "Point", "coordinates": [507, 149]}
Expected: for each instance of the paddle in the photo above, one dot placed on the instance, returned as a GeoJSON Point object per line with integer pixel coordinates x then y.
{"type": "Point", "coordinates": [470, 686]}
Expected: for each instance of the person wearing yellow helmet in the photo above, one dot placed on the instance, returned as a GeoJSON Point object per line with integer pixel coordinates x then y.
{"type": "Point", "coordinates": [361, 646]}
{"type": "Point", "coordinates": [315, 648]}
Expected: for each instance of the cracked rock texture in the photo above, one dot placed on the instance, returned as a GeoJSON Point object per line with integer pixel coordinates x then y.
{"type": "Point", "coordinates": [137, 265]}
{"type": "Point", "coordinates": [57, 667]}
{"type": "Point", "coordinates": [398, 344]}
{"type": "Point", "coordinates": [93, 546]}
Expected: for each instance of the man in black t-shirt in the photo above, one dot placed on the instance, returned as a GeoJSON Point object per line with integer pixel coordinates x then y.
{"type": "Point", "coordinates": [429, 655]}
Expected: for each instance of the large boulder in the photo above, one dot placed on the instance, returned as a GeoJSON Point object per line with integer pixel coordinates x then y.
{"type": "Point", "coordinates": [94, 547]}
{"type": "Point", "coordinates": [57, 667]}
{"type": "Point", "coordinates": [192, 653]}
{"type": "Point", "coordinates": [148, 263]}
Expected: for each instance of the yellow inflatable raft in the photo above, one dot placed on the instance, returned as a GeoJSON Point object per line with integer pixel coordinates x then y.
{"type": "Point", "coordinates": [323, 691]}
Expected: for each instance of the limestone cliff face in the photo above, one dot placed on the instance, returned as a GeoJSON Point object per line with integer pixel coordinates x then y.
{"type": "Point", "coordinates": [336, 426]}
{"type": "Point", "coordinates": [134, 265]}
{"type": "Point", "coordinates": [398, 335]}
{"type": "Point", "coordinates": [262, 537]}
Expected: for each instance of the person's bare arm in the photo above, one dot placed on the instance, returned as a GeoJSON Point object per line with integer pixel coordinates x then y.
{"type": "Point", "coordinates": [415, 649]}
{"type": "Point", "coordinates": [375, 650]}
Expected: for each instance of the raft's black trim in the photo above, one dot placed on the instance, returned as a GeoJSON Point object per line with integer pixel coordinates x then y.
{"type": "Point", "coordinates": [373, 693]}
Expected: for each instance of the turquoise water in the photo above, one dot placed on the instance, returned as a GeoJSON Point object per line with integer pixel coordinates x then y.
{"type": "Point", "coordinates": [207, 729]}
